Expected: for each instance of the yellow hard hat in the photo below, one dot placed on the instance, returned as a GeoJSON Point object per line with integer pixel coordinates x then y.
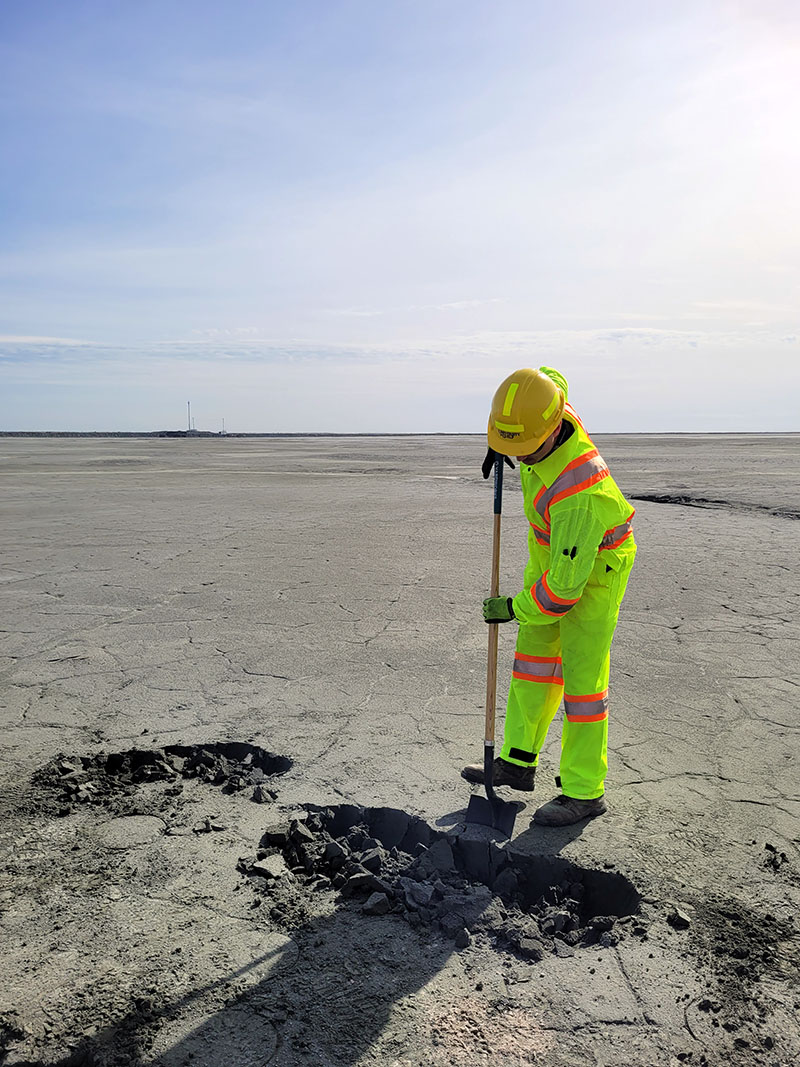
{"type": "Point", "coordinates": [525, 410]}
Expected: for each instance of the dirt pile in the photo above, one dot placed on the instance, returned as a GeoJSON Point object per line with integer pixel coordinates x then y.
{"type": "Point", "coordinates": [384, 861]}
{"type": "Point", "coordinates": [101, 778]}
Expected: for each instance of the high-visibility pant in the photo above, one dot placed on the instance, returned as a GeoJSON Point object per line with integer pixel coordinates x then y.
{"type": "Point", "coordinates": [569, 658]}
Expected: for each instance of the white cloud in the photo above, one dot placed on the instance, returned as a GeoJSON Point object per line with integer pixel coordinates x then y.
{"type": "Point", "coordinates": [27, 339]}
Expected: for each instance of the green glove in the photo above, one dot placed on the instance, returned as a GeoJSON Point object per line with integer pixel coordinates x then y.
{"type": "Point", "coordinates": [498, 609]}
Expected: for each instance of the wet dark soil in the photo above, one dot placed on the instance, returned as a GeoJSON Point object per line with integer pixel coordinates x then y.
{"type": "Point", "coordinates": [384, 861]}
{"type": "Point", "coordinates": [101, 778]}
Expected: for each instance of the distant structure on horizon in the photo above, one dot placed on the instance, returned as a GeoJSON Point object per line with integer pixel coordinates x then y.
{"type": "Point", "coordinates": [190, 430]}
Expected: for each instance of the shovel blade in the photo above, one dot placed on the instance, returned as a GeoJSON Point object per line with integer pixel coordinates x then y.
{"type": "Point", "coordinates": [497, 813]}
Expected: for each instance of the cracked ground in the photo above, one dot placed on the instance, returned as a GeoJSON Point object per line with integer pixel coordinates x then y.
{"type": "Point", "coordinates": [321, 598]}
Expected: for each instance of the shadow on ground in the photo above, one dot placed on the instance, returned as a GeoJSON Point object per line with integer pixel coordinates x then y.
{"type": "Point", "coordinates": [325, 1000]}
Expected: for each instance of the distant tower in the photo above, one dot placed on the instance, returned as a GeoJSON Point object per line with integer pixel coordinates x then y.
{"type": "Point", "coordinates": [189, 414]}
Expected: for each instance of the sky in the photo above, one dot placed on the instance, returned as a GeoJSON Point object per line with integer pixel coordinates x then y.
{"type": "Point", "coordinates": [362, 215]}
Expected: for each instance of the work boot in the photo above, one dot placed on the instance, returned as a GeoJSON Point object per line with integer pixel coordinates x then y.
{"type": "Point", "coordinates": [563, 811]}
{"type": "Point", "coordinates": [505, 773]}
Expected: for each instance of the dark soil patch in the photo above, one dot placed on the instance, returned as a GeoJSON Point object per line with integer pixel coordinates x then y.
{"type": "Point", "coordinates": [235, 766]}
{"type": "Point", "coordinates": [739, 948]}
{"type": "Point", "coordinates": [383, 861]}
{"type": "Point", "coordinates": [691, 501]}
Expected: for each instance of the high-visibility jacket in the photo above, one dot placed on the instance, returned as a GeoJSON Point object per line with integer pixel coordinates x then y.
{"type": "Point", "coordinates": [580, 524]}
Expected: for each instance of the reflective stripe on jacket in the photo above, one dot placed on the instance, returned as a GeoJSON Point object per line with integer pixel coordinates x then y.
{"type": "Point", "coordinates": [575, 510]}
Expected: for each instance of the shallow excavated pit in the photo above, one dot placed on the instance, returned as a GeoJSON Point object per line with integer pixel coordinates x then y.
{"type": "Point", "coordinates": [232, 765]}
{"type": "Point", "coordinates": [388, 862]}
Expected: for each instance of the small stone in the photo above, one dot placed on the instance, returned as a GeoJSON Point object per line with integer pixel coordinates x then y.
{"type": "Point", "coordinates": [270, 867]}
{"type": "Point", "coordinates": [463, 938]}
{"type": "Point", "coordinates": [440, 856]}
{"type": "Point", "coordinates": [376, 904]}
{"type": "Point", "coordinates": [418, 894]}
{"type": "Point", "coordinates": [371, 860]}
{"type": "Point", "coordinates": [601, 922]}
{"type": "Point", "coordinates": [334, 854]}
{"type": "Point", "coordinates": [679, 920]}
{"type": "Point", "coordinates": [562, 950]}
{"type": "Point", "coordinates": [300, 833]}
{"type": "Point", "coordinates": [530, 949]}
{"type": "Point", "coordinates": [555, 920]}
{"type": "Point", "coordinates": [357, 883]}
{"type": "Point", "coordinates": [262, 795]}
{"type": "Point", "coordinates": [451, 924]}
{"type": "Point", "coordinates": [276, 834]}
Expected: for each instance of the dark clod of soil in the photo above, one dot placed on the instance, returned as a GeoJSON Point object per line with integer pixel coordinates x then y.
{"type": "Point", "coordinates": [384, 861]}
{"type": "Point", "coordinates": [233, 765]}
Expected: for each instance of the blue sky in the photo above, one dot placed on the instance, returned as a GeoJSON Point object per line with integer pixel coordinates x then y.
{"type": "Point", "coordinates": [361, 216]}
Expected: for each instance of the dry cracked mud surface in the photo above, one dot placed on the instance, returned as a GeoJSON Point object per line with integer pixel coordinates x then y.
{"type": "Point", "coordinates": [238, 680]}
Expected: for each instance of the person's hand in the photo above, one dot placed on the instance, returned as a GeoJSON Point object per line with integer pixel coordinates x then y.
{"type": "Point", "coordinates": [498, 609]}
{"type": "Point", "coordinates": [488, 464]}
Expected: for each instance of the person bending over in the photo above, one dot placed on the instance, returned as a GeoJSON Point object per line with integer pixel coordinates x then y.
{"type": "Point", "coordinates": [581, 552]}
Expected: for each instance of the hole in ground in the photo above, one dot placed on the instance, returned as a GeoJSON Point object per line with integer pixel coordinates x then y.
{"type": "Point", "coordinates": [233, 765]}
{"type": "Point", "coordinates": [384, 860]}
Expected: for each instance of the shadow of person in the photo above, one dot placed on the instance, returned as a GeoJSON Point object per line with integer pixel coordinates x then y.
{"type": "Point", "coordinates": [538, 840]}
{"type": "Point", "coordinates": [529, 840]}
{"type": "Point", "coordinates": [322, 999]}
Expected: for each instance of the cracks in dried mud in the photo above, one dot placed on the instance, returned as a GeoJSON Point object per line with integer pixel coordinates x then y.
{"type": "Point", "coordinates": [695, 501]}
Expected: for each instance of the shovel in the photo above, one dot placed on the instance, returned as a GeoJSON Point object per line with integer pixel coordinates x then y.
{"type": "Point", "coordinates": [491, 810]}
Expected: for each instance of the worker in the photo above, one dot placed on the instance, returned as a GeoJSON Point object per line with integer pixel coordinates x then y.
{"type": "Point", "coordinates": [581, 552]}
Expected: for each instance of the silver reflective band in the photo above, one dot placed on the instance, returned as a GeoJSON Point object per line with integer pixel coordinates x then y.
{"type": "Point", "coordinates": [592, 465]}
{"type": "Point", "coordinates": [538, 670]}
{"type": "Point", "coordinates": [546, 603]}
{"type": "Point", "coordinates": [586, 710]}
{"type": "Point", "coordinates": [617, 534]}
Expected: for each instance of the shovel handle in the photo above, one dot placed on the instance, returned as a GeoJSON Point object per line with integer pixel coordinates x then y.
{"type": "Point", "coordinates": [491, 665]}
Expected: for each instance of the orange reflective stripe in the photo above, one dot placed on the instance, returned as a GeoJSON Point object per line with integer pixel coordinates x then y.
{"type": "Point", "coordinates": [542, 536]}
{"type": "Point", "coordinates": [553, 596]}
{"type": "Point", "coordinates": [536, 507]}
{"type": "Point", "coordinates": [598, 476]}
{"type": "Point", "coordinates": [580, 459]}
{"type": "Point", "coordinates": [591, 708]}
{"type": "Point", "coordinates": [546, 611]}
{"type": "Point", "coordinates": [614, 537]}
{"type": "Point", "coordinates": [546, 669]}
{"type": "Point", "coordinates": [548, 603]}
{"type": "Point", "coordinates": [573, 479]}
{"type": "Point", "coordinates": [548, 679]}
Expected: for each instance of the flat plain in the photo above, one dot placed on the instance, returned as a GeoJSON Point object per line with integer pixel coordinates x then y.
{"type": "Point", "coordinates": [303, 614]}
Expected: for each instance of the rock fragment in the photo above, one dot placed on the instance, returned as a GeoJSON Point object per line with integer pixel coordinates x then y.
{"type": "Point", "coordinates": [678, 919]}
{"type": "Point", "coordinates": [270, 867]}
{"type": "Point", "coordinates": [376, 904]}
